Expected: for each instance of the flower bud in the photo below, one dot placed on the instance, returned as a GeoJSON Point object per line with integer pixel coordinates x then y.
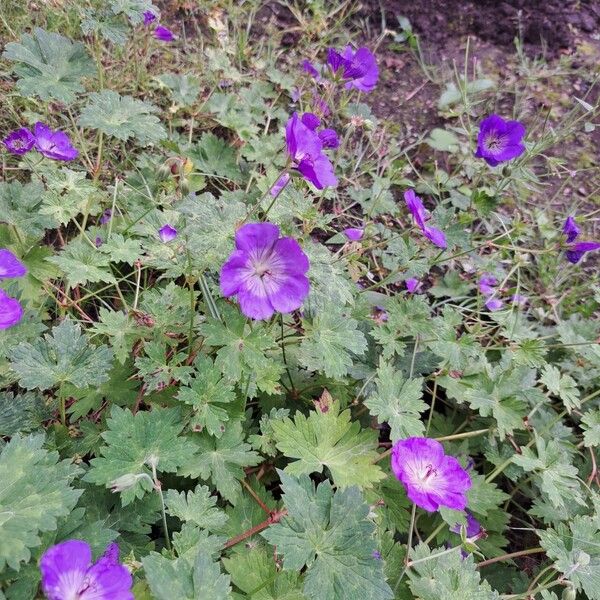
{"type": "Point", "coordinates": [125, 482]}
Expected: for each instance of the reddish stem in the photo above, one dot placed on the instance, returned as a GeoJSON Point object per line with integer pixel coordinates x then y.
{"type": "Point", "coordinates": [273, 518]}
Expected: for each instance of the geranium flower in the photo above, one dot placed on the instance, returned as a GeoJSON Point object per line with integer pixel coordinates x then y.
{"type": "Point", "coordinates": [69, 574]}
{"type": "Point", "coordinates": [412, 285]}
{"type": "Point", "coordinates": [279, 185]}
{"type": "Point", "coordinates": [499, 140]}
{"type": "Point", "coordinates": [10, 265]}
{"type": "Point", "coordinates": [487, 284]}
{"type": "Point", "coordinates": [53, 144]}
{"type": "Point", "coordinates": [306, 150]}
{"type": "Point", "coordinates": [329, 137]}
{"type": "Point", "coordinates": [149, 17]}
{"type": "Point", "coordinates": [415, 205]}
{"type": "Point", "coordinates": [431, 478]}
{"type": "Point", "coordinates": [358, 66]}
{"type": "Point", "coordinates": [164, 34]}
{"type": "Point", "coordinates": [571, 230]}
{"type": "Point", "coordinates": [575, 251]}
{"type": "Point", "coordinates": [354, 234]}
{"type": "Point", "coordinates": [167, 233]}
{"type": "Point", "coordinates": [11, 311]}
{"type": "Point", "coordinates": [19, 141]}
{"type": "Point", "coordinates": [473, 530]}
{"type": "Point", "coordinates": [309, 68]}
{"type": "Point", "coordinates": [266, 273]}
{"type": "Point", "coordinates": [493, 304]}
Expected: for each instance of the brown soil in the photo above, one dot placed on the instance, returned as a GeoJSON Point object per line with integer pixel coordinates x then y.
{"type": "Point", "coordinates": [547, 26]}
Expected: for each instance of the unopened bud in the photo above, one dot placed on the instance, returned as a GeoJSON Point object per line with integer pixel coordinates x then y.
{"type": "Point", "coordinates": [125, 482]}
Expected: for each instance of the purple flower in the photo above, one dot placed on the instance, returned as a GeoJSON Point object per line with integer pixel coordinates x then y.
{"type": "Point", "coordinates": [11, 311]}
{"type": "Point", "coordinates": [149, 17]}
{"type": "Point", "coordinates": [431, 478]}
{"type": "Point", "coordinates": [167, 233]}
{"type": "Point", "coordinates": [19, 141]}
{"type": "Point", "coordinates": [335, 60]}
{"type": "Point", "coordinates": [576, 251]}
{"type": "Point", "coordinates": [376, 554]}
{"type": "Point", "coordinates": [487, 284]}
{"type": "Point", "coordinates": [412, 285]}
{"type": "Point", "coordinates": [279, 185]}
{"type": "Point", "coordinates": [473, 526]}
{"type": "Point", "coordinates": [354, 234]}
{"type": "Point", "coordinates": [493, 304]}
{"type": "Point", "coordinates": [499, 140]}
{"type": "Point", "coordinates": [415, 205]}
{"type": "Point", "coordinates": [571, 230]}
{"type": "Point", "coordinates": [69, 574]}
{"type": "Point", "coordinates": [266, 273]}
{"type": "Point", "coordinates": [329, 138]}
{"type": "Point", "coordinates": [163, 34]}
{"type": "Point", "coordinates": [519, 300]}
{"type": "Point", "coordinates": [359, 67]}
{"type": "Point", "coordinates": [310, 120]}
{"type": "Point", "coordinates": [305, 149]}
{"type": "Point", "coordinates": [10, 265]}
{"type": "Point", "coordinates": [309, 68]}
{"type": "Point", "coordinates": [320, 106]}
{"type": "Point", "coordinates": [53, 144]}
{"type": "Point", "coordinates": [473, 530]}
{"type": "Point", "coordinates": [106, 216]}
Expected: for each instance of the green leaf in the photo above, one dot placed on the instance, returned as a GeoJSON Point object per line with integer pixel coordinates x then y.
{"type": "Point", "coordinates": [329, 534]}
{"type": "Point", "coordinates": [406, 317]}
{"type": "Point", "coordinates": [123, 117]}
{"type": "Point", "coordinates": [496, 392]}
{"type": "Point", "coordinates": [242, 351]}
{"type": "Point", "coordinates": [563, 386]}
{"type": "Point", "coordinates": [398, 402]}
{"type": "Point", "coordinates": [49, 65]}
{"type": "Point", "coordinates": [222, 460]}
{"type": "Point", "coordinates": [134, 9]}
{"type": "Point", "coordinates": [210, 227]}
{"type": "Point", "coordinates": [255, 573]}
{"type": "Point", "coordinates": [591, 422]}
{"type": "Point", "coordinates": [196, 507]}
{"type": "Point", "coordinates": [82, 263]}
{"type": "Point", "coordinates": [134, 443]}
{"type": "Point", "coordinates": [576, 552]}
{"type": "Point", "coordinates": [68, 193]}
{"type": "Point", "coordinates": [159, 367]}
{"type": "Point", "coordinates": [443, 140]}
{"type": "Point", "coordinates": [109, 26]}
{"type": "Point", "coordinates": [170, 579]}
{"type": "Point", "coordinates": [20, 207]}
{"type": "Point", "coordinates": [330, 342]}
{"type": "Point", "coordinates": [64, 356]}
{"type": "Point", "coordinates": [446, 575]}
{"type": "Point", "coordinates": [22, 413]}
{"type": "Point", "coordinates": [184, 88]}
{"type": "Point", "coordinates": [34, 492]}
{"type": "Point", "coordinates": [121, 249]}
{"type": "Point", "coordinates": [265, 441]}
{"type": "Point", "coordinates": [207, 393]}
{"type": "Point", "coordinates": [329, 439]}
{"type": "Point", "coordinates": [120, 329]}
{"type": "Point", "coordinates": [555, 474]}
{"type": "Point", "coordinates": [214, 156]}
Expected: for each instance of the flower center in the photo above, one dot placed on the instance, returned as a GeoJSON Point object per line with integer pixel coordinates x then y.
{"type": "Point", "coordinates": [430, 471]}
{"type": "Point", "coordinates": [495, 143]}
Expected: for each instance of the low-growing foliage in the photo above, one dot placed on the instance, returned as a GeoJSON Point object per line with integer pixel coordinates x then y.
{"type": "Point", "coordinates": [256, 343]}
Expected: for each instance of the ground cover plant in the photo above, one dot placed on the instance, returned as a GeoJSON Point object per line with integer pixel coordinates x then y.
{"type": "Point", "coordinates": [264, 335]}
